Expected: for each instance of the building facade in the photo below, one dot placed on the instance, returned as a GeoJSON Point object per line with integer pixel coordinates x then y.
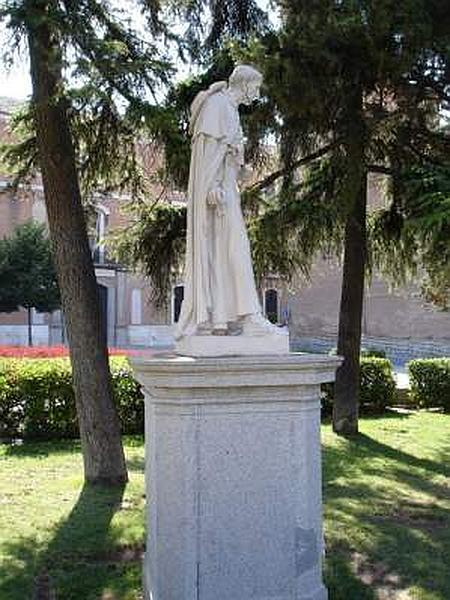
{"type": "Point", "coordinates": [130, 318]}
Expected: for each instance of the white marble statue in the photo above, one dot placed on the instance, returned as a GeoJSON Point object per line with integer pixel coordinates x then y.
{"type": "Point", "coordinates": [220, 293]}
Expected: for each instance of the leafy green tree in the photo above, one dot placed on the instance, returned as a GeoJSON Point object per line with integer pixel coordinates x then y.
{"type": "Point", "coordinates": [95, 85]}
{"type": "Point", "coordinates": [27, 273]}
{"type": "Point", "coordinates": [87, 63]}
{"type": "Point", "coordinates": [353, 90]}
{"type": "Point", "coordinates": [154, 243]}
{"type": "Point", "coordinates": [358, 87]}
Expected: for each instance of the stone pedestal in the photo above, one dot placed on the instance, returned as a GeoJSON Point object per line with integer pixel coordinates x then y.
{"type": "Point", "coordinates": [234, 508]}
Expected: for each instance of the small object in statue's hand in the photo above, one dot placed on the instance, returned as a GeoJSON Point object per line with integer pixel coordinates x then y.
{"type": "Point", "coordinates": [216, 199]}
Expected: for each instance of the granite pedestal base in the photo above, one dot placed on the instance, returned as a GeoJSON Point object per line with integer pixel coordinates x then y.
{"type": "Point", "coordinates": [232, 345]}
{"type": "Point", "coordinates": [233, 473]}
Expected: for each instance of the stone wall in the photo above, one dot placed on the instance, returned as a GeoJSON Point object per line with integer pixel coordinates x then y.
{"type": "Point", "coordinates": [398, 321]}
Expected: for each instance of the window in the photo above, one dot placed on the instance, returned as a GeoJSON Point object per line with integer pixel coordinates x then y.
{"type": "Point", "coordinates": [178, 295]}
{"type": "Point", "coordinates": [37, 318]}
{"type": "Point", "coordinates": [136, 307]}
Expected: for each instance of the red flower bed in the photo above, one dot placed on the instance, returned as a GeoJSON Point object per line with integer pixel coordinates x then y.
{"type": "Point", "coordinates": [49, 351]}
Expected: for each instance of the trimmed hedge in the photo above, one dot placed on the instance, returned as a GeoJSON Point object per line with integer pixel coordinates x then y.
{"type": "Point", "coordinates": [37, 399]}
{"type": "Point", "coordinates": [430, 382]}
{"type": "Point", "coordinates": [129, 398]}
{"type": "Point", "coordinates": [377, 386]}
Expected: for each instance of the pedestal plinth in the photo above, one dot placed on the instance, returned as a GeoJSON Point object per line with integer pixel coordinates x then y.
{"type": "Point", "coordinates": [233, 473]}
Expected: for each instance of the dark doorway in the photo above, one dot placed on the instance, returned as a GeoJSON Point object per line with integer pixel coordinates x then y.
{"type": "Point", "coordinates": [271, 305]}
{"type": "Point", "coordinates": [103, 297]}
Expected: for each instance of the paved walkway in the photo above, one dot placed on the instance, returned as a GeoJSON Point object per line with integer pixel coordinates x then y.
{"type": "Point", "coordinates": [401, 378]}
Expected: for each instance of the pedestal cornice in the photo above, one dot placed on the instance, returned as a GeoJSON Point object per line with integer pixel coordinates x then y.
{"type": "Point", "coordinates": [293, 369]}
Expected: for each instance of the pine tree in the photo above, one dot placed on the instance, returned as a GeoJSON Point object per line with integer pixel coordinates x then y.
{"type": "Point", "coordinates": [358, 87]}
{"type": "Point", "coordinates": [86, 62]}
{"type": "Point", "coordinates": [92, 78]}
{"type": "Point", "coordinates": [352, 89]}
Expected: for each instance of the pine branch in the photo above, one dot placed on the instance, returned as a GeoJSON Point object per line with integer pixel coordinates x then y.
{"type": "Point", "coordinates": [267, 181]}
{"type": "Point", "coordinates": [380, 169]}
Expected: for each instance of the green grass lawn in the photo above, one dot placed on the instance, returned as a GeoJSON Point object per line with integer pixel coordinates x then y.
{"type": "Point", "coordinates": [387, 509]}
{"type": "Point", "coordinates": [387, 518]}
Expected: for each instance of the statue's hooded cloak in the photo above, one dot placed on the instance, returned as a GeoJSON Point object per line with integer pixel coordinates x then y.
{"type": "Point", "coordinates": [216, 131]}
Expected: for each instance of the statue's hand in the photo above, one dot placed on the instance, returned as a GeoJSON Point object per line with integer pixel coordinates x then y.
{"type": "Point", "coordinates": [216, 199]}
{"type": "Point", "coordinates": [245, 175]}
{"type": "Point", "coordinates": [237, 152]}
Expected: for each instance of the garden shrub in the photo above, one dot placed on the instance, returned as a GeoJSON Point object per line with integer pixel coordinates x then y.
{"type": "Point", "coordinates": [37, 399]}
{"type": "Point", "coordinates": [430, 382]}
{"type": "Point", "coordinates": [129, 400]}
{"type": "Point", "coordinates": [48, 398]}
{"type": "Point", "coordinates": [11, 409]}
{"type": "Point", "coordinates": [326, 399]}
{"type": "Point", "coordinates": [377, 386]}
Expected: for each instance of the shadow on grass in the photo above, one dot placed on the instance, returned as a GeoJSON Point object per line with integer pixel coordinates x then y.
{"type": "Point", "coordinates": [379, 537]}
{"type": "Point", "coordinates": [444, 454]}
{"type": "Point", "coordinates": [375, 415]}
{"type": "Point", "coordinates": [136, 464]}
{"type": "Point", "coordinates": [342, 583]}
{"type": "Point", "coordinates": [37, 448]}
{"type": "Point", "coordinates": [81, 558]}
{"type": "Point", "coordinates": [374, 448]}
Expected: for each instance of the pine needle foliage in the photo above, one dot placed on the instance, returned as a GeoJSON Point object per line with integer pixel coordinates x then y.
{"type": "Point", "coordinates": [114, 79]}
{"type": "Point", "coordinates": [154, 244]}
{"type": "Point", "coordinates": [412, 237]}
{"type": "Point", "coordinates": [90, 71]}
{"type": "Point", "coordinates": [365, 81]}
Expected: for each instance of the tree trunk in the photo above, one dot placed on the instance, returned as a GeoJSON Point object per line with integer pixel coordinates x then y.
{"type": "Point", "coordinates": [346, 389]}
{"type": "Point", "coordinates": [99, 425]}
{"type": "Point", "coordinates": [30, 329]}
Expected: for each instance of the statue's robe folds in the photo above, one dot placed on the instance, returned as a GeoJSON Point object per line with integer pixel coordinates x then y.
{"type": "Point", "coordinates": [219, 280]}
